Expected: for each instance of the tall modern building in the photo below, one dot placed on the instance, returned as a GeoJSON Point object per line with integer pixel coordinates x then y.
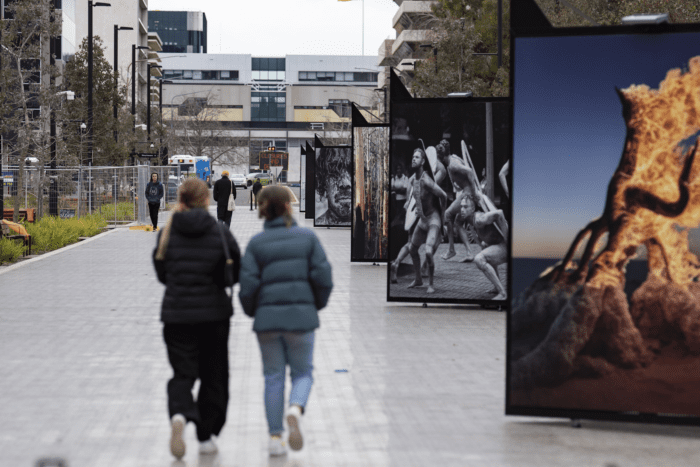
{"type": "Point", "coordinates": [180, 31]}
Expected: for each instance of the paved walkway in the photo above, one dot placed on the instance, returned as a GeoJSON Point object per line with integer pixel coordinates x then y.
{"type": "Point", "coordinates": [83, 373]}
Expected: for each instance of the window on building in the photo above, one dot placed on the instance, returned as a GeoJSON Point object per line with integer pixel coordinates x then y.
{"type": "Point", "coordinates": [187, 74]}
{"type": "Point", "coordinates": [341, 107]}
{"type": "Point", "coordinates": [342, 76]}
{"type": "Point", "coordinates": [196, 74]}
{"type": "Point", "coordinates": [210, 74]}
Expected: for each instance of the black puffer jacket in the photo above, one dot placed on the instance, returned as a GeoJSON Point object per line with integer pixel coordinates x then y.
{"type": "Point", "coordinates": [193, 269]}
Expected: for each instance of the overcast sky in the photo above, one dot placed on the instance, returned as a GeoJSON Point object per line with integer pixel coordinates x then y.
{"type": "Point", "coordinates": [284, 27]}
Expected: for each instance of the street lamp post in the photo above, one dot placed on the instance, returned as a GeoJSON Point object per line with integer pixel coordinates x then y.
{"type": "Point", "coordinates": [117, 28]}
{"type": "Point", "coordinates": [148, 107]}
{"type": "Point", "coordinates": [53, 189]}
{"type": "Point", "coordinates": [160, 109]}
{"type": "Point", "coordinates": [91, 4]}
{"type": "Point", "coordinates": [134, 48]}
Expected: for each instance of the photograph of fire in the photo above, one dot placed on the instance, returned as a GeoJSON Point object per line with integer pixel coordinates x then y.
{"type": "Point", "coordinates": [605, 314]}
{"type": "Point", "coordinates": [370, 221]}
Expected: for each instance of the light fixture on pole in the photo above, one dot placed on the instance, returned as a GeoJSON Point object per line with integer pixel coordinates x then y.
{"type": "Point", "coordinates": [134, 48]}
{"type": "Point", "coordinates": [91, 4]}
{"type": "Point", "coordinates": [160, 109]}
{"type": "Point", "coordinates": [117, 28]}
{"type": "Point", "coordinates": [148, 100]}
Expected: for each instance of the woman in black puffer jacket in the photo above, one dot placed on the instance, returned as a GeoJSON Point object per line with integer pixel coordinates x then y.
{"type": "Point", "coordinates": [196, 312]}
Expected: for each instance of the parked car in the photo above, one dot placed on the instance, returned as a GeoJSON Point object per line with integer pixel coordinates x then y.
{"type": "Point", "coordinates": [264, 178]}
{"type": "Point", "coordinates": [171, 189]}
{"type": "Point", "coordinates": [238, 180]}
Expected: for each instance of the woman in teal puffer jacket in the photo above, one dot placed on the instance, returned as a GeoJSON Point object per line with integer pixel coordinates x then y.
{"type": "Point", "coordinates": [285, 279]}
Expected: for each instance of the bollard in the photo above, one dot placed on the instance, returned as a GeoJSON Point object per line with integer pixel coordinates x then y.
{"type": "Point", "coordinates": [251, 199]}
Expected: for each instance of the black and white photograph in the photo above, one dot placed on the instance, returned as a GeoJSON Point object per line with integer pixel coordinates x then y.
{"type": "Point", "coordinates": [333, 184]}
{"type": "Point", "coordinates": [450, 209]}
{"type": "Point", "coordinates": [370, 219]}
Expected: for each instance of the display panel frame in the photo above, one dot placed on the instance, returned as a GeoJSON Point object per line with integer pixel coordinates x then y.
{"type": "Point", "coordinates": [310, 170]}
{"type": "Point", "coordinates": [462, 284]}
{"type": "Point", "coordinates": [342, 155]}
{"type": "Point", "coordinates": [302, 178]}
{"type": "Point", "coordinates": [638, 48]}
{"type": "Point", "coordinates": [360, 123]}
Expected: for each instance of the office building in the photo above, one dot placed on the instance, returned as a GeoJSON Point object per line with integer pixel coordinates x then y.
{"type": "Point", "coordinates": [180, 31]}
{"type": "Point", "coordinates": [272, 101]}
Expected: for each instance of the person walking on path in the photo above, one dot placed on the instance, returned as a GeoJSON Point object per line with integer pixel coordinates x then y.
{"type": "Point", "coordinates": [154, 193]}
{"type": "Point", "coordinates": [257, 186]}
{"type": "Point", "coordinates": [285, 280]}
{"type": "Point", "coordinates": [222, 189]}
{"type": "Point", "coordinates": [196, 311]}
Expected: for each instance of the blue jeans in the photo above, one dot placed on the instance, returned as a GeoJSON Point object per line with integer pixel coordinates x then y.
{"type": "Point", "coordinates": [278, 350]}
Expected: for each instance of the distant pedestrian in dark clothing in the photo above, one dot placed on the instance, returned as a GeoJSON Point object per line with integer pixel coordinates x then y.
{"type": "Point", "coordinates": [222, 189]}
{"type": "Point", "coordinates": [285, 280]}
{"type": "Point", "coordinates": [196, 313]}
{"type": "Point", "coordinates": [154, 193]}
{"type": "Point", "coordinates": [257, 186]}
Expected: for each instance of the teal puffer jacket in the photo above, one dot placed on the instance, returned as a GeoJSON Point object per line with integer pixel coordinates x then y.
{"type": "Point", "coordinates": [285, 278]}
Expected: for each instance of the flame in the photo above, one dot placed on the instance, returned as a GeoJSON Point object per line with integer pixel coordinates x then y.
{"type": "Point", "coordinates": [653, 162]}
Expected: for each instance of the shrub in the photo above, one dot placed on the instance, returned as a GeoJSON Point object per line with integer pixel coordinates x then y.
{"type": "Point", "coordinates": [10, 250]}
{"type": "Point", "coordinates": [125, 212]}
{"type": "Point", "coordinates": [51, 233]}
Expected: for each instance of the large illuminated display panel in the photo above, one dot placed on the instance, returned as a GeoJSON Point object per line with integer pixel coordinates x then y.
{"type": "Point", "coordinates": [605, 317]}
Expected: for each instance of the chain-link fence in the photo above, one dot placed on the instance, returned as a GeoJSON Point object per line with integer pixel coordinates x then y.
{"type": "Point", "coordinates": [116, 193]}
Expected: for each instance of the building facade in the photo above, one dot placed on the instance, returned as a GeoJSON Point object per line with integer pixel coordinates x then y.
{"type": "Point", "coordinates": [263, 102]}
{"type": "Point", "coordinates": [132, 14]}
{"type": "Point", "coordinates": [411, 25]}
{"type": "Point", "coordinates": [180, 31]}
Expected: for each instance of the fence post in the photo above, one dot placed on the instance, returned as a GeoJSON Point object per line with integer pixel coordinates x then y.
{"type": "Point", "coordinates": [80, 188]}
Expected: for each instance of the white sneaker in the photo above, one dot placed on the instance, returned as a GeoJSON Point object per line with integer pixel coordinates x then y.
{"type": "Point", "coordinates": [277, 446]}
{"type": "Point", "coordinates": [177, 442]}
{"type": "Point", "coordinates": [208, 446]}
{"type": "Point", "coordinates": [296, 441]}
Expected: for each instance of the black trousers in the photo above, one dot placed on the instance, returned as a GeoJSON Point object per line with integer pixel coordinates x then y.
{"type": "Point", "coordinates": [199, 351]}
{"type": "Point", "coordinates": [153, 211]}
{"type": "Point", "coordinates": [224, 215]}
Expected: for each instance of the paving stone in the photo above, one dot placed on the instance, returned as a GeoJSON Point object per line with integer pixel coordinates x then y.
{"type": "Point", "coordinates": [83, 371]}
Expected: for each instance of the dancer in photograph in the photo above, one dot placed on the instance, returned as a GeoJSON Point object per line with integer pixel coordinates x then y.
{"type": "Point", "coordinates": [428, 197]}
{"type": "Point", "coordinates": [464, 182]}
{"type": "Point", "coordinates": [489, 229]}
{"type": "Point", "coordinates": [502, 177]}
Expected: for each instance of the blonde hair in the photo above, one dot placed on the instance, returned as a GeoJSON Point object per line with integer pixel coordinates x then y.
{"type": "Point", "coordinates": [193, 193]}
{"type": "Point", "coordinates": [273, 202]}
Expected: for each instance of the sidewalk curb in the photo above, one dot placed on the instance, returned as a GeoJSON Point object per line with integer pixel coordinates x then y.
{"type": "Point", "coordinates": [4, 269]}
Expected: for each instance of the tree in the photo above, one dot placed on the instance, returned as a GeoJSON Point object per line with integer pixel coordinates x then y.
{"type": "Point", "coordinates": [27, 91]}
{"type": "Point", "coordinates": [460, 28]}
{"type": "Point", "coordinates": [107, 151]}
{"type": "Point", "coordinates": [198, 129]}
{"type": "Point", "coordinates": [608, 12]}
